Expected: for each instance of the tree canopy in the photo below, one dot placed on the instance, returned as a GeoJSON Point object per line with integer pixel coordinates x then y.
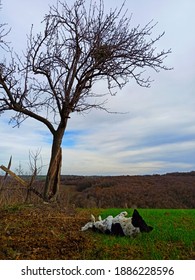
{"type": "Point", "coordinates": [78, 47]}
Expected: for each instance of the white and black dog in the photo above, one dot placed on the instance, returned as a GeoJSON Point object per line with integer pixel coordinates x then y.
{"type": "Point", "coordinates": [119, 225]}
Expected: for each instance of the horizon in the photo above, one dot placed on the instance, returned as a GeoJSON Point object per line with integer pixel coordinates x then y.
{"type": "Point", "coordinates": [106, 175]}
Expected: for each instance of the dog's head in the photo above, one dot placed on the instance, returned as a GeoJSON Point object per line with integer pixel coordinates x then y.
{"type": "Point", "coordinates": [138, 221]}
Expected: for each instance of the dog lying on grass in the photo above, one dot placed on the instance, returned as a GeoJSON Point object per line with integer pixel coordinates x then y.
{"type": "Point", "coordinates": [119, 225]}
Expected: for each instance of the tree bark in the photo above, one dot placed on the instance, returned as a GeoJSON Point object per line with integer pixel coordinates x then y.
{"type": "Point", "coordinates": [52, 183]}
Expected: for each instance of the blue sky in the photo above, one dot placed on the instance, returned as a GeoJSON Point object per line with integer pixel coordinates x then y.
{"type": "Point", "coordinates": [156, 135]}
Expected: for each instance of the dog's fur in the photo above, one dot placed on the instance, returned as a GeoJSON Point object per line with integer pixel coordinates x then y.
{"type": "Point", "coordinates": [119, 225]}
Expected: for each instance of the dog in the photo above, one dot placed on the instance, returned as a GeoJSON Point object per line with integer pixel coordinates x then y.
{"type": "Point", "coordinates": [119, 225]}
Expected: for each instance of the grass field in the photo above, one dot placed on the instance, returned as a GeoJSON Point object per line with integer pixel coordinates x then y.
{"type": "Point", "coordinates": [49, 232]}
{"type": "Point", "coordinates": [173, 236]}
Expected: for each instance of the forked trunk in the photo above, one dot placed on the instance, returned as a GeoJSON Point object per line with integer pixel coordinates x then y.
{"type": "Point", "coordinates": [52, 183]}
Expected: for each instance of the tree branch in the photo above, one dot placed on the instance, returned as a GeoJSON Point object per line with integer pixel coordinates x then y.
{"type": "Point", "coordinates": [76, 49]}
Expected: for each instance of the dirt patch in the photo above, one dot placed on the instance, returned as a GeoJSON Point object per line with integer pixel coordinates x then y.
{"type": "Point", "coordinates": [42, 232]}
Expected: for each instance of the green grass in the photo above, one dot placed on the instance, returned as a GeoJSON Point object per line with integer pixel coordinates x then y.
{"type": "Point", "coordinates": [173, 236]}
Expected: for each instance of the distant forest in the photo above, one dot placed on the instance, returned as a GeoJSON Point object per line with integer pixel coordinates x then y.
{"type": "Point", "coordinates": [172, 190]}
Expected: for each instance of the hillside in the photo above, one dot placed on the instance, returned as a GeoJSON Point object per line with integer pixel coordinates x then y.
{"type": "Point", "coordinates": [174, 190]}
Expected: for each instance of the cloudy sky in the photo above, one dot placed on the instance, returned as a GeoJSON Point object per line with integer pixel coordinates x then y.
{"type": "Point", "coordinates": [156, 135]}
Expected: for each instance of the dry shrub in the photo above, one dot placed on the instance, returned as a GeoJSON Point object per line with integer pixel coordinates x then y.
{"type": "Point", "coordinates": [12, 192]}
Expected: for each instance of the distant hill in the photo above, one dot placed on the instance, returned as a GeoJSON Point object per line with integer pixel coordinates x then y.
{"type": "Point", "coordinates": [172, 190]}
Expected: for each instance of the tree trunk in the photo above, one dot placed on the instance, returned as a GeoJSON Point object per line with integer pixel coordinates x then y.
{"type": "Point", "coordinates": [52, 183]}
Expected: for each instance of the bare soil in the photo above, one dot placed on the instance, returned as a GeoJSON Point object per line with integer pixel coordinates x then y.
{"type": "Point", "coordinates": [42, 232]}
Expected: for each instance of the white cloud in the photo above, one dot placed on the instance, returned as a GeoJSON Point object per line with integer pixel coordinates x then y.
{"type": "Point", "coordinates": [158, 132]}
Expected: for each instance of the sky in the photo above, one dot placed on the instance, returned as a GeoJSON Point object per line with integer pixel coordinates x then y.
{"type": "Point", "coordinates": [156, 135]}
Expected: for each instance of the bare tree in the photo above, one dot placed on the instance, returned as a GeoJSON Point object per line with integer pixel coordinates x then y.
{"type": "Point", "coordinates": [3, 34]}
{"type": "Point", "coordinates": [77, 48]}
